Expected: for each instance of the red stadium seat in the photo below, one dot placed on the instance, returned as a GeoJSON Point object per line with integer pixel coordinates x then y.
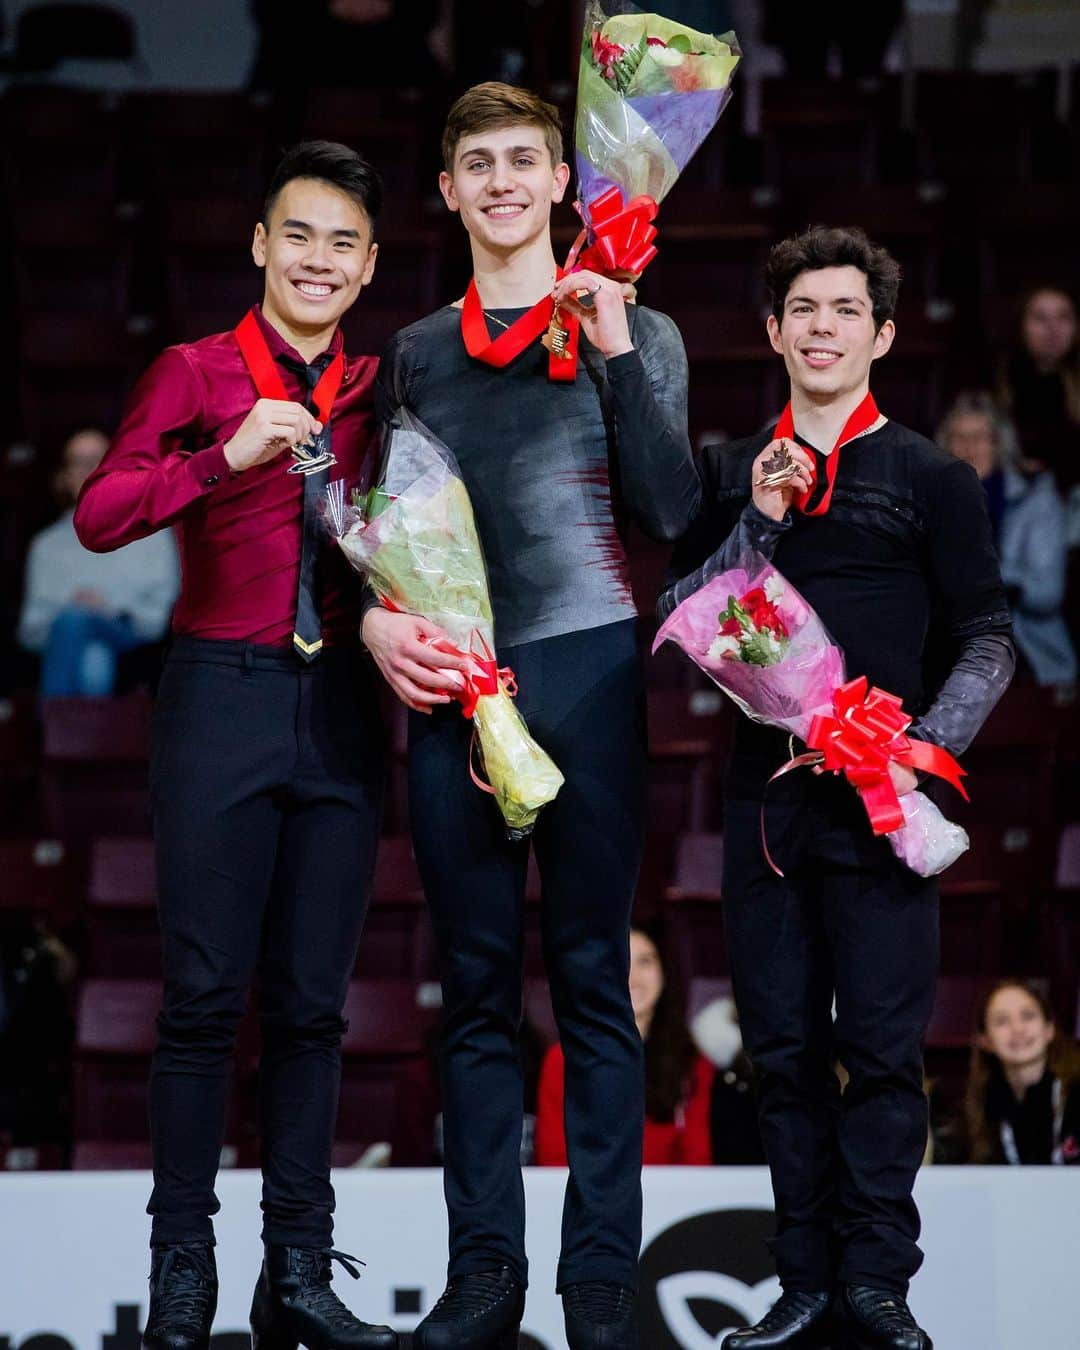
{"type": "Point", "coordinates": [693, 928]}
{"type": "Point", "coordinates": [115, 1035]}
{"type": "Point", "coordinates": [121, 919]}
{"type": "Point", "coordinates": [391, 1027]}
{"type": "Point", "coordinates": [94, 774]}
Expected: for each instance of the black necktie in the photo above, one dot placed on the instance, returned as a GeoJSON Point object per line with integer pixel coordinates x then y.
{"type": "Point", "coordinates": [307, 629]}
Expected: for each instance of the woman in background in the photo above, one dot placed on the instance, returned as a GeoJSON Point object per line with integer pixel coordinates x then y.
{"type": "Point", "coordinates": [1022, 1104]}
{"type": "Point", "coordinates": [678, 1080]}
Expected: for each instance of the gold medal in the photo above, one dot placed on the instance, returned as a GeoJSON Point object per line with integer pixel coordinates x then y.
{"type": "Point", "coordinates": [557, 337]}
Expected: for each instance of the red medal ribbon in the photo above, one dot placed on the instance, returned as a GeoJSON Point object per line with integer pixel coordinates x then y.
{"type": "Point", "coordinates": [264, 371]}
{"type": "Point", "coordinates": [864, 416]}
{"type": "Point", "coordinates": [618, 239]}
{"type": "Point", "coordinates": [510, 343]}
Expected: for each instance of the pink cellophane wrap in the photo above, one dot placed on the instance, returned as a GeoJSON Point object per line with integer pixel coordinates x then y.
{"type": "Point", "coordinates": [788, 694]}
{"type": "Point", "coordinates": [797, 688]}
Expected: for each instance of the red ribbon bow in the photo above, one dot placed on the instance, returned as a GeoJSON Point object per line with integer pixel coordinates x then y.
{"type": "Point", "coordinates": [619, 236]}
{"type": "Point", "coordinates": [865, 734]}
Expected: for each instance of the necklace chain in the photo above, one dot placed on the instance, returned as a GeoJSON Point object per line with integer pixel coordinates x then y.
{"type": "Point", "coordinates": [495, 319]}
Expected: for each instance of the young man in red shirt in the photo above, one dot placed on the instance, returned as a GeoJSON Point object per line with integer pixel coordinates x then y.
{"type": "Point", "coordinates": [267, 759]}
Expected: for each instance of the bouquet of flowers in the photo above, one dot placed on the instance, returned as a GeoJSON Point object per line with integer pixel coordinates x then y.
{"type": "Point", "coordinates": [415, 539]}
{"type": "Point", "coordinates": [758, 639]}
{"type": "Point", "coordinates": [649, 92]}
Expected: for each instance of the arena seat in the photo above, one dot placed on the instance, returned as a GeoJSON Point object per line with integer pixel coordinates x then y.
{"type": "Point", "coordinates": [691, 917]}
{"type": "Point", "coordinates": [391, 1027]}
{"type": "Point", "coordinates": [122, 936]}
{"type": "Point", "coordinates": [36, 876]}
{"type": "Point", "coordinates": [114, 1037]}
{"type": "Point", "coordinates": [94, 766]}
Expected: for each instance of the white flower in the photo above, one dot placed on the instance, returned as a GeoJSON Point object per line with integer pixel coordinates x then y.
{"type": "Point", "coordinates": [723, 645]}
{"type": "Point", "coordinates": [774, 645]}
{"type": "Point", "coordinates": [666, 56]}
{"type": "Point", "coordinates": [774, 588]}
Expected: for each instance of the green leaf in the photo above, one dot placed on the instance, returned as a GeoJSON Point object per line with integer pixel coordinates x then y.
{"type": "Point", "coordinates": [626, 67]}
{"type": "Point", "coordinates": [681, 43]}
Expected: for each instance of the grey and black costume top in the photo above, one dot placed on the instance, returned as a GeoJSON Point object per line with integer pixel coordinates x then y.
{"type": "Point", "coordinates": [901, 570]}
{"type": "Point", "coordinates": [553, 468]}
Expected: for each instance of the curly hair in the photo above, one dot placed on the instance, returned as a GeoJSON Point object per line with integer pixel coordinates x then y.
{"type": "Point", "coordinates": [828, 246]}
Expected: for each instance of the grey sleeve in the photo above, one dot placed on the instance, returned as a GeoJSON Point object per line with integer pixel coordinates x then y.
{"type": "Point", "coordinates": [979, 677]}
{"type": "Point", "coordinates": [753, 530]}
{"type": "Point", "coordinates": [657, 474]}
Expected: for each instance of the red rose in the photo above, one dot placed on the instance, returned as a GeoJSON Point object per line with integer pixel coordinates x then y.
{"type": "Point", "coordinates": [730, 628]}
{"type": "Point", "coordinates": [605, 53]}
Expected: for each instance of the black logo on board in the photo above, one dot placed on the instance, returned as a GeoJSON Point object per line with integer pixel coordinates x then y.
{"type": "Point", "coordinates": [706, 1276]}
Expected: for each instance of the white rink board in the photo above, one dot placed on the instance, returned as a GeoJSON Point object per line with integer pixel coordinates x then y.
{"type": "Point", "coordinates": [1002, 1246]}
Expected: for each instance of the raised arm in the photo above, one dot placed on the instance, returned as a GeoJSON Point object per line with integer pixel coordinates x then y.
{"type": "Point", "coordinates": [722, 532]}
{"type": "Point", "coordinates": [151, 473]}
{"type": "Point", "coordinates": [657, 475]}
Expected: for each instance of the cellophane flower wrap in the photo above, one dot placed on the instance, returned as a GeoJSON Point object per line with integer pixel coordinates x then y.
{"type": "Point", "coordinates": [414, 537]}
{"type": "Point", "coordinates": [649, 91]}
{"type": "Point", "coordinates": [755, 636]}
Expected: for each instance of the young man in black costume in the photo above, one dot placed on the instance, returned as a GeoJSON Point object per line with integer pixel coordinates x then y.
{"type": "Point", "coordinates": [888, 539]}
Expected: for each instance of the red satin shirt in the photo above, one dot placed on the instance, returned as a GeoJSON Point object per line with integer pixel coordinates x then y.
{"type": "Point", "coordinates": [238, 534]}
{"type": "Point", "coordinates": [684, 1141]}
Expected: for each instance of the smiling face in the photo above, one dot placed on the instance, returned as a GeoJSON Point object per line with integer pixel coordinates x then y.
{"type": "Point", "coordinates": [1017, 1030]}
{"type": "Point", "coordinates": [503, 184]}
{"type": "Point", "coordinates": [826, 335]}
{"type": "Point", "coordinates": [318, 254]}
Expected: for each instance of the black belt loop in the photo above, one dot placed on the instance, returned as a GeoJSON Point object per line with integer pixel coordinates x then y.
{"type": "Point", "coordinates": [248, 658]}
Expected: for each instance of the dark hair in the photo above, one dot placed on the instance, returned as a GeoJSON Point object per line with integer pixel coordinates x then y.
{"type": "Point", "coordinates": [1062, 1059]}
{"type": "Point", "coordinates": [494, 105]}
{"type": "Point", "coordinates": [329, 162]}
{"type": "Point", "coordinates": [826, 246]}
{"type": "Point", "coordinates": [669, 1051]}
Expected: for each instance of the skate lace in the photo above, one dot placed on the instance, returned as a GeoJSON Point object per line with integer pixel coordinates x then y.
{"type": "Point", "coordinates": [883, 1311]}
{"type": "Point", "coordinates": [471, 1296]}
{"type": "Point", "coordinates": [599, 1302]}
{"type": "Point", "coordinates": [184, 1287]}
{"type": "Point", "coordinates": [794, 1303]}
{"type": "Point", "coordinates": [314, 1270]}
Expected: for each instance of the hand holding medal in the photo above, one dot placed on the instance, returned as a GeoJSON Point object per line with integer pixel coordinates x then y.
{"type": "Point", "coordinates": [781, 472]}
{"type": "Point", "coordinates": [599, 305]}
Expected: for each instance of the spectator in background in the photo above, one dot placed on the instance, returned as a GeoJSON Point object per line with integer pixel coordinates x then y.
{"type": "Point", "coordinates": [733, 1126]}
{"type": "Point", "coordinates": [1028, 520]}
{"type": "Point", "coordinates": [1040, 384]}
{"type": "Point", "coordinates": [678, 1080]}
{"type": "Point", "coordinates": [81, 610]}
{"type": "Point", "coordinates": [1022, 1104]}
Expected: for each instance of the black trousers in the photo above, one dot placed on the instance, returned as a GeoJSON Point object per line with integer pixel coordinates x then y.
{"type": "Point", "coordinates": [847, 922]}
{"type": "Point", "coordinates": [582, 694]}
{"type": "Point", "coordinates": [266, 785]}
